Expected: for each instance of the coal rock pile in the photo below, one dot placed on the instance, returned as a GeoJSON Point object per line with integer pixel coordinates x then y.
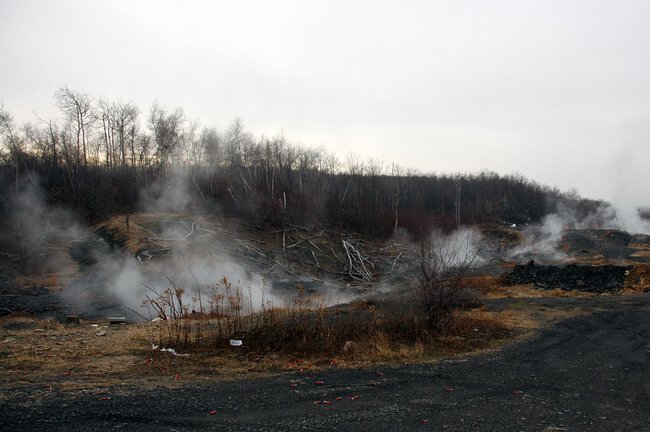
{"type": "Point", "coordinates": [597, 279]}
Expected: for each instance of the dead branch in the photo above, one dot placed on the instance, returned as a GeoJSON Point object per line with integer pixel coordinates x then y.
{"type": "Point", "coordinates": [356, 261]}
{"type": "Point", "coordinates": [395, 261]}
{"type": "Point", "coordinates": [315, 259]}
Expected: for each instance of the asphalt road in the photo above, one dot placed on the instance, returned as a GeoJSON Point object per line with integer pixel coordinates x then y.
{"type": "Point", "coordinates": [590, 373]}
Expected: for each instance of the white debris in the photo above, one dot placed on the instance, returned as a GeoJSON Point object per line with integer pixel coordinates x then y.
{"type": "Point", "coordinates": [236, 342]}
{"type": "Point", "coordinates": [171, 351]}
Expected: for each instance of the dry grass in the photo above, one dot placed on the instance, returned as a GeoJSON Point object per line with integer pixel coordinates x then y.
{"type": "Point", "coordinates": [51, 280]}
{"type": "Point", "coordinates": [643, 253]}
{"type": "Point", "coordinates": [52, 356]}
{"type": "Point", "coordinates": [48, 356]}
{"type": "Point", "coordinates": [136, 234]}
{"type": "Point", "coordinates": [638, 280]}
{"type": "Point", "coordinates": [490, 287]}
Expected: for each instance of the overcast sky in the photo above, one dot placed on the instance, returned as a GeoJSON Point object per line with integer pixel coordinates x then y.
{"type": "Point", "coordinates": [556, 90]}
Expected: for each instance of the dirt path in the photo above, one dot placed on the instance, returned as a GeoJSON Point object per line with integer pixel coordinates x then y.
{"type": "Point", "coordinates": [590, 373]}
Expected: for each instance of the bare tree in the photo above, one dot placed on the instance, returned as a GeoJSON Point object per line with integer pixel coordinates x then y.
{"type": "Point", "coordinates": [167, 130]}
{"type": "Point", "coordinates": [77, 108]}
{"type": "Point", "coordinates": [7, 130]}
{"type": "Point", "coordinates": [212, 147]}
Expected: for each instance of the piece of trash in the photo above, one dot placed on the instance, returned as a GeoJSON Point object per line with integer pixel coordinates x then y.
{"type": "Point", "coordinates": [236, 342]}
{"type": "Point", "coordinates": [94, 325]}
{"type": "Point", "coordinates": [105, 398]}
{"type": "Point", "coordinates": [101, 333]}
{"type": "Point", "coordinates": [449, 389]}
{"type": "Point", "coordinates": [319, 383]}
{"type": "Point", "coordinates": [173, 352]}
{"type": "Point", "coordinates": [213, 412]}
{"type": "Point", "coordinates": [156, 319]}
{"type": "Point", "coordinates": [424, 421]}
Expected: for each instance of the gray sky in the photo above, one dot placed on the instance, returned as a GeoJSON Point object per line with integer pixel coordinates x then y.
{"type": "Point", "coordinates": [556, 90]}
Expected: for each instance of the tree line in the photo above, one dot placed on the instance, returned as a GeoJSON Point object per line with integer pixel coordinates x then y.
{"type": "Point", "coordinates": [98, 155]}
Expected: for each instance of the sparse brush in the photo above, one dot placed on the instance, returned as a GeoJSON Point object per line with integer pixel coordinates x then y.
{"type": "Point", "coordinates": [304, 326]}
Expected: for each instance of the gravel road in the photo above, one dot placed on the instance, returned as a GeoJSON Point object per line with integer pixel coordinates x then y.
{"type": "Point", "coordinates": [589, 373]}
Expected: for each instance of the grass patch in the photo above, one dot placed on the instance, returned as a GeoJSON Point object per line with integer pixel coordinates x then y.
{"type": "Point", "coordinates": [359, 332]}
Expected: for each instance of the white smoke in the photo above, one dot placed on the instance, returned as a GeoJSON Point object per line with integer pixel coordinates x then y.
{"type": "Point", "coordinates": [37, 229]}
{"type": "Point", "coordinates": [459, 248]}
{"type": "Point", "coordinates": [172, 194]}
{"type": "Point", "coordinates": [542, 241]}
{"type": "Point", "coordinates": [132, 281]}
{"type": "Point", "coordinates": [628, 178]}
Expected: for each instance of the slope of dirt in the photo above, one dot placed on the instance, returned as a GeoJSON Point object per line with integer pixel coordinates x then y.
{"type": "Point", "coordinates": [612, 245]}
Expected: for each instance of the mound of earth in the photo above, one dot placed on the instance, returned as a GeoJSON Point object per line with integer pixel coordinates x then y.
{"type": "Point", "coordinates": [597, 279]}
{"type": "Point", "coordinates": [608, 244]}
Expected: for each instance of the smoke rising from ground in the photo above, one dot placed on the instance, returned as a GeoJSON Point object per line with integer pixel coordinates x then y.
{"type": "Point", "coordinates": [35, 229]}
{"type": "Point", "coordinates": [628, 178]}
{"type": "Point", "coordinates": [131, 281]}
{"type": "Point", "coordinates": [116, 275]}
{"type": "Point", "coordinates": [39, 229]}
{"type": "Point", "coordinates": [458, 248]}
{"type": "Point", "coordinates": [170, 195]}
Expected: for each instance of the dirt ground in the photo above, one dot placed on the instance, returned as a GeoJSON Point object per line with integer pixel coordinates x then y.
{"type": "Point", "coordinates": [589, 372]}
{"type": "Point", "coordinates": [572, 361]}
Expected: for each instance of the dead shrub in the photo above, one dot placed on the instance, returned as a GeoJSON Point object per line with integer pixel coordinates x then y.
{"type": "Point", "coordinates": [443, 262]}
